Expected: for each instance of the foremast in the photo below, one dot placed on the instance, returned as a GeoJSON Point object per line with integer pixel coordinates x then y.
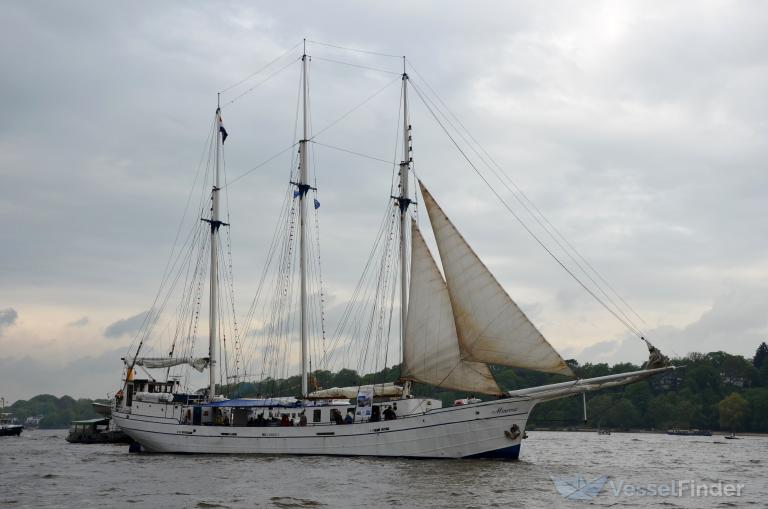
{"type": "Point", "coordinates": [404, 202]}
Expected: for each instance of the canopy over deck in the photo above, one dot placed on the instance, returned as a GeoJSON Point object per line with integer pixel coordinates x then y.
{"type": "Point", "coordinates": [86, 422]}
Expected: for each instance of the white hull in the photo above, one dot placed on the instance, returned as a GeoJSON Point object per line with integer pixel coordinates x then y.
{"type": "Point", "coordinates": [477, 430]}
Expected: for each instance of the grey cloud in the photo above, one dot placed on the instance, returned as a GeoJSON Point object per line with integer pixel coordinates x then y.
{"type": "Point", "coordinates": [643, 138]}
{"type": "Point", "coordinates": [88, 376]}
{"type": "Point", "coordinates": [599, 349]}
{"type": "Point", "coordinates": [81, 322]}
{"type": "Point", "coordinates": [736, 322]}
{"type": "Point", "coordinates": [126, 326]}
{"type": "Point", "coordinates": [7, 318]}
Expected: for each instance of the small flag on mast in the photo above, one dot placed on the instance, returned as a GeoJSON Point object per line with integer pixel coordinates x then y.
{"type": "Point", "coordinates": [223, 133]}
{"type": "Point", "coordinates": [317, 204]}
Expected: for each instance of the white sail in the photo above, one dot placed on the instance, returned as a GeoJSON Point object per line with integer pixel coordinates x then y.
{"type": "Point", "coordinates": [431, 351]}
{"type": "Point", "coordinates": [491, 327]}
{"type": "Point", "coordinates": [167, 362]}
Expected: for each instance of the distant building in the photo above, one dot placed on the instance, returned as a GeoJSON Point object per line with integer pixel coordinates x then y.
{"type": "Point", "coordinates": [736, 380]}
{"type": "Point", "coordinates": [33, 421]}
{"type": "Point", "coordinates": [668, 381]}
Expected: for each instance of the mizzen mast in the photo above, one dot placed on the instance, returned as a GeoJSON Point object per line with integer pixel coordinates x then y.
{"type": "Point", "coordinates": [215, 223]}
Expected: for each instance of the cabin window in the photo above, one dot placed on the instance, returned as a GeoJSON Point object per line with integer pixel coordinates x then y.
{"type": "Point", "coordinates": [316, 415]}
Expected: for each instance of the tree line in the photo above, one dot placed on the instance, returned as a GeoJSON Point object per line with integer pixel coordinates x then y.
{"type": "Point", "coordinates": [55, 412]}
{"type": "Point", "coordinates": [714, 391]}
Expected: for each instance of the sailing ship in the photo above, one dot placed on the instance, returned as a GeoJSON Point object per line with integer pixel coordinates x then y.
{"type": "Point", "coordinates": [454, 325]}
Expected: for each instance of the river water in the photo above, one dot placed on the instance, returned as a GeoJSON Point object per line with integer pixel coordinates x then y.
{"type": "Point", "coordinates": [40, 469]}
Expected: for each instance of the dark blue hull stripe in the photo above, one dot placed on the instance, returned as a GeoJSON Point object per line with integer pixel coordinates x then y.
{"type": "Point", "coordinates": [508, 453]}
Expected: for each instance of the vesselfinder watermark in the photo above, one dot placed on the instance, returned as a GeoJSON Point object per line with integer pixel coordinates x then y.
{"type": "Point", "coordinates": [579, 487]}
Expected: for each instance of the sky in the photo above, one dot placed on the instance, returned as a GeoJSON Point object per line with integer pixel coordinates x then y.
{"type": "Point", "coordinates": [638, 128]}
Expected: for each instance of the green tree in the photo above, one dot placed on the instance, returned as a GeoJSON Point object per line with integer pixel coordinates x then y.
{"type": "Point", "coordinates": [660, 411]}
{"type": "Point", "coordinates": [622, 414]}
{"type": "Point", "coordinates": [346, 378]}
{"type": "Point", "coordinates": [598, 408]}
{"type": "Point", "coordinates": [758, 408]}
{"type": "Point", "coordinates": [684, 412]}
{"type": "Point", "coordinates": [640, 394]}
{"type": "Point", "coordinates": [761, 356]}
{"type": "Point", "coordinates": [733, 412]}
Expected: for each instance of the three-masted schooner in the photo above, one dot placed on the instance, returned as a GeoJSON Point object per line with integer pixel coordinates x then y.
{"type": "Point", "coordinates": [455, 326]}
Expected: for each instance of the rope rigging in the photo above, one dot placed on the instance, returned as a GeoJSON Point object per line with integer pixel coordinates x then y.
{"type": "Point", "coordinates": [261, 347]}
{"type": "Point", "coordinates": [531, 207]}
{"type": "Point", "coordinates": [520, 220]}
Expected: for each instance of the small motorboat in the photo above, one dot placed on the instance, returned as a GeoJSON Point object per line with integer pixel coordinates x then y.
{"type": "Point", "coordinates": [690, 432]}
{"type": "Point", "coordinates": [7, 426]}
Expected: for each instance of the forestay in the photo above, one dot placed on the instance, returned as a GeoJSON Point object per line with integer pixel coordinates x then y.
{"type": "Point", "coordinates": [491, 327]}
{"type": "Point", "coordinates": [431, 351]}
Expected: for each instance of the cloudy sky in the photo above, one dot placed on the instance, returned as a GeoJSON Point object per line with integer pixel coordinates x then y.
{"type": "Point", "coordinates": [638, 128]}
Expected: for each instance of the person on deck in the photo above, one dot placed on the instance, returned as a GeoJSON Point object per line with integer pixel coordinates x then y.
{"type": "Point", "coordinates": [389, 414]}
{"type": "Point", "coordinates": [350, 419]}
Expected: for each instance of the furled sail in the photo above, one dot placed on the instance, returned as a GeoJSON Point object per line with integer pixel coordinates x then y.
{"type": "Point", "coordinates": [491, 327]}
{"type": "Point", "coordinates": [431, 351]}
{"type": "Point", "coordinates": [167, 362]}
{"type": "Point", "coordinates": [384, 390]}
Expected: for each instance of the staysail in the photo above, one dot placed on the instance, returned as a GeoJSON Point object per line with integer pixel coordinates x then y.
{"type": "Point", "coordinates": [431, 351]}
{"type": "Point", "coordinates": [167, 362]}
{"type": "Point", "coordinates": [491, 327]}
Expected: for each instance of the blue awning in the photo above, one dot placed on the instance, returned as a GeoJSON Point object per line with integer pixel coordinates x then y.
{"type": "Point", "coordinates": [249, 402]}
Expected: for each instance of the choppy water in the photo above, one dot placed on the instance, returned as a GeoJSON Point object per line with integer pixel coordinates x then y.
{"type": "Point", "coordinates": [40, 469]}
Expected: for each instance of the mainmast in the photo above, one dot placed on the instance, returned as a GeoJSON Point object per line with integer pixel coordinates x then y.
{"type": "Point", "coordinates": [404, 202]}
{"type": "Point", "coordinates": [215, 224]}
{"type": "Point", "coordinates": [303, 188]}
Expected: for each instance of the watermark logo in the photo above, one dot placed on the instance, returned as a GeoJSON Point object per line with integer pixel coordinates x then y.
{"type": "Point", "coordinates": [578, 487]}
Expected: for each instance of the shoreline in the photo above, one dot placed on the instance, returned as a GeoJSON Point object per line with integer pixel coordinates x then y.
{"type": "Point", "coordinates": [644, 431]}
